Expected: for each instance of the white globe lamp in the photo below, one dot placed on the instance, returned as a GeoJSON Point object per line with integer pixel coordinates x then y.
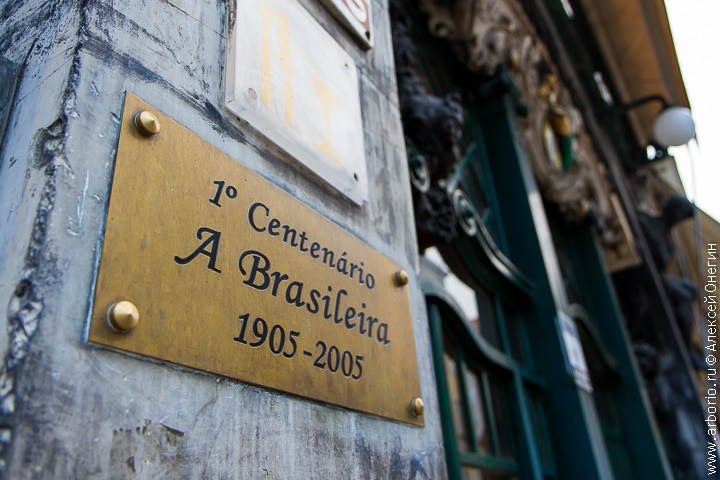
{"type": "Point", "coordinates": [674, 126]}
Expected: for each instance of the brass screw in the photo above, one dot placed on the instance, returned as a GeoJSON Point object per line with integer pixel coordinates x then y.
{"type": "Point", "coordinates": [401, 278]}
{"type": "Point", "coordinates": [123, 316]}
{"type": "Point", "coordinates": [146, 123]}
{"type": "Point", "coordinates": [417, 406]}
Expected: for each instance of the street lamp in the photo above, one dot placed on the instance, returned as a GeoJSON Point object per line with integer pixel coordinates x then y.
{"type": "Point", "coordinates": [674, 126]}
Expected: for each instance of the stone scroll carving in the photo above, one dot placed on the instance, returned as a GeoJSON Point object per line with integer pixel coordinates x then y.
{"type": "Point", "coordinates": [483, 33]}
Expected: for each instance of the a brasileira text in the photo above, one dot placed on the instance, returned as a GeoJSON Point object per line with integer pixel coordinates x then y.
{"type": "Point", "coordinates": [327, 303]}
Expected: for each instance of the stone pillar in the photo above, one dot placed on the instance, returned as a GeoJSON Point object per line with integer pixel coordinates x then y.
{"type": "Point", "coordinates": [70, 409]}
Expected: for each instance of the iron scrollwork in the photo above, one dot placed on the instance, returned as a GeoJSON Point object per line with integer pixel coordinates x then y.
{"type": "Point", "coordinates": [465, 212]}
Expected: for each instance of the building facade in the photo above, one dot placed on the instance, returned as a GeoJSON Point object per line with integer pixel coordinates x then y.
{"type": "Point", "coordinates": [344, 239]}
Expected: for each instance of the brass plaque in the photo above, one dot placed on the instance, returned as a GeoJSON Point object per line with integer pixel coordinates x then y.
{"type": "Point", "coordinates": [233, 276]}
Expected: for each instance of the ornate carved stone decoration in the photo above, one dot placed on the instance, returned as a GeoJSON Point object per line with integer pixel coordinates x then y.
{"type": "Point", "coordinates": [444, 215]}
{"type": "Point", "coordinates": [657, 229]}
{"type": "Point", "coordinates": [484, 33]}
{"type": "Point", "coordinates": [566, 169]}
{"type": "Point", "coordinates": [433, 127]}
{"type": "Point", "coordinates": [487, 34]}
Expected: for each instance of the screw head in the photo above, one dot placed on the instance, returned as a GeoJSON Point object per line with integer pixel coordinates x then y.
{"type": "Point", "coordinates": [123, 316]}
{"type": "Point", "coordinates": [417, 406]}
{"type": "Point", "coordinates": [146, 123]}
{"type": "Point", "coordinates": [401, 278]}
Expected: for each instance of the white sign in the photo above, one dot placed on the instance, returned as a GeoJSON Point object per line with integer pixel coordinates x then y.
{"type": "Point", "coordinates": [574, 356]}
{"type": "Point", "coordinates": [357, 15]}
{"type": "Point", "coordinates": [290, 80]}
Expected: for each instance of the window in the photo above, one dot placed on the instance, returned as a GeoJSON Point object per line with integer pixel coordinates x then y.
{"type": "Point", "coordinates": [492, 411]}
{"type": "Point", "coordinates": [491, 397]}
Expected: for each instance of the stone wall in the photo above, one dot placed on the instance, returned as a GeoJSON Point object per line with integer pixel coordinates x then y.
{"type": "Point", "coordinates": [72, 410]}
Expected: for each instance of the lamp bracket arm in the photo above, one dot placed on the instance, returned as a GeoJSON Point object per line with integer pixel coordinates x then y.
{"type": "Point", "coordinates": [642, 101]}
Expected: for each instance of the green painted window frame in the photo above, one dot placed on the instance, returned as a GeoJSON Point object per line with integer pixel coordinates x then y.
{"type": "Point", "coordinates": [481, 261]}
{"type": "Point", "coordinates": [528, 438]}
